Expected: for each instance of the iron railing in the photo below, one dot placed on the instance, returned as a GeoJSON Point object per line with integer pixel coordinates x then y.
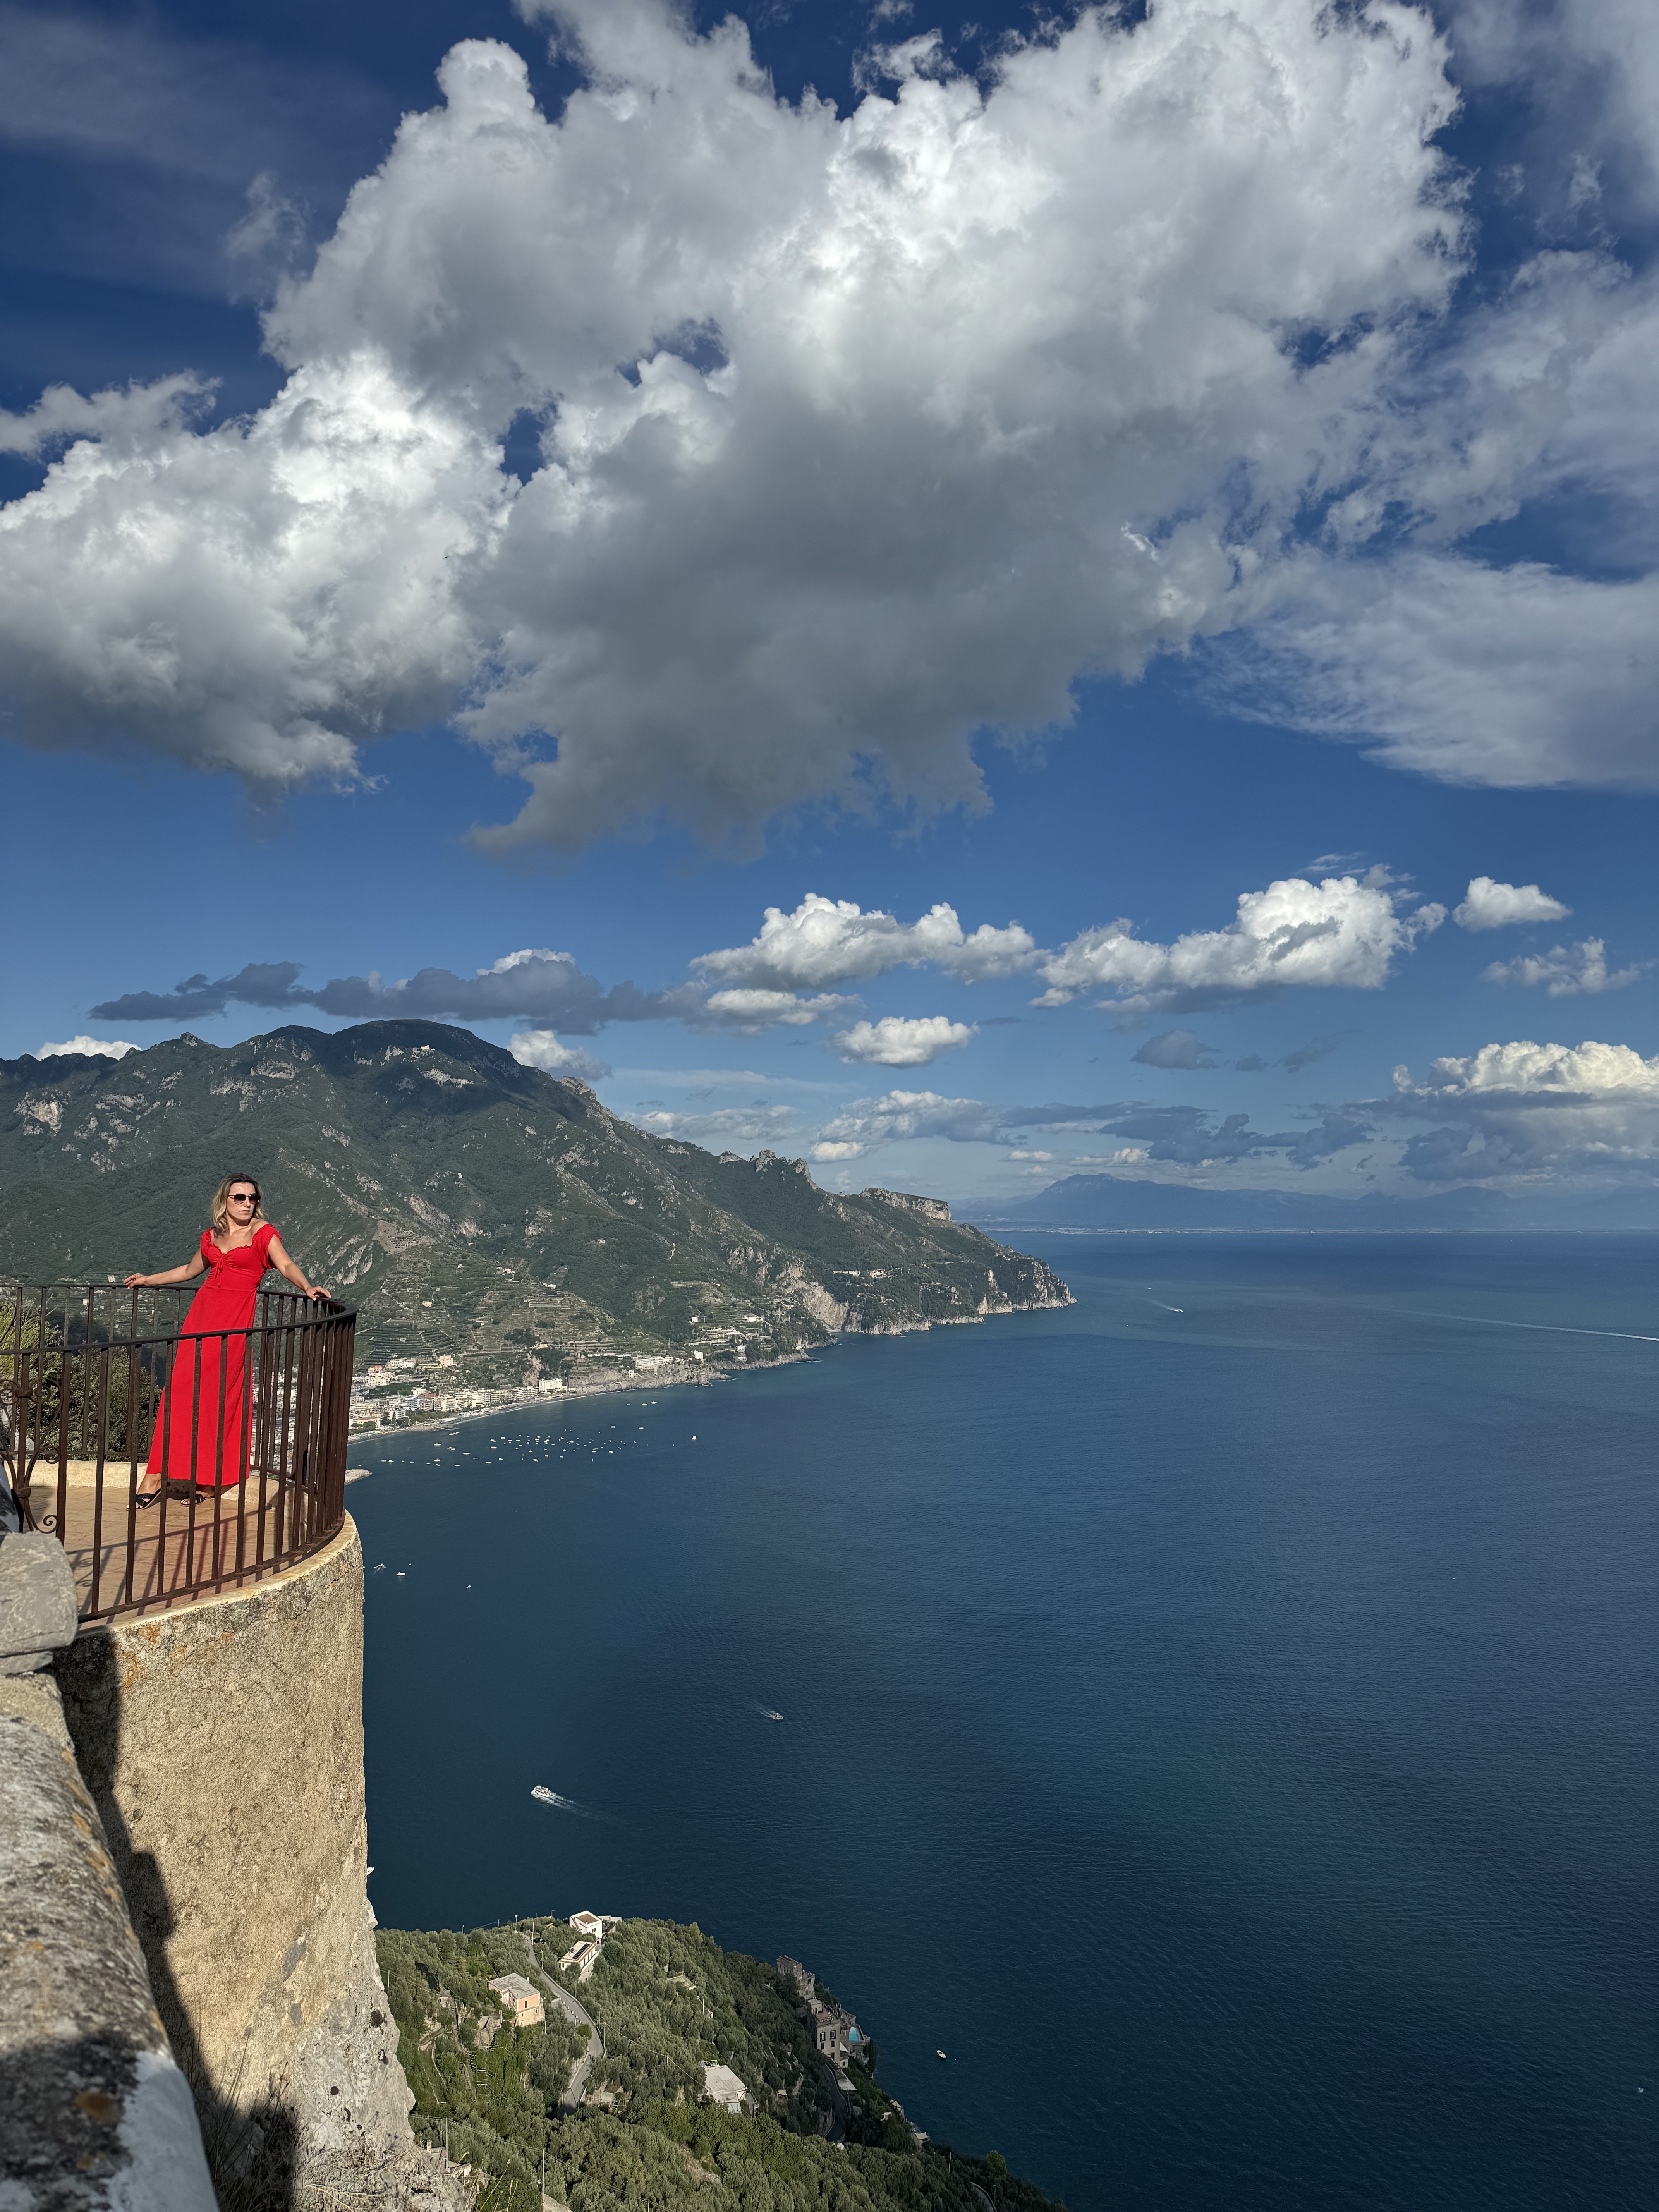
{"type": "Point", "coordinates": [249, 1472]}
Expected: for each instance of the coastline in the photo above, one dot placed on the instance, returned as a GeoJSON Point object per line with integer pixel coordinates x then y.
{"type": "Point", "coordinates": [689, 1376]}
{"type": "Point", "coordinates": [1289, 1229]}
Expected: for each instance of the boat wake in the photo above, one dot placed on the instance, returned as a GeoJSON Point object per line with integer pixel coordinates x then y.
{"type": "Point", "coordinates": [1546, 1328]}
{"type": "Point", "coordinates": [565, 1804]}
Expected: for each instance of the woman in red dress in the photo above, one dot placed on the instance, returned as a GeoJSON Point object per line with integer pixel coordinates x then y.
{"type": "Point", "coordinates": [193, 1442]}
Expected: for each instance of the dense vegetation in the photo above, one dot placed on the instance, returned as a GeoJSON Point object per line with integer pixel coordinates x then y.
{"type": "Point", "coordinates": [470, 1206]}
{"type": "Point", "coordinates": [496, 2084]}
{"type": "Point", "coordinates": [667, 2001]}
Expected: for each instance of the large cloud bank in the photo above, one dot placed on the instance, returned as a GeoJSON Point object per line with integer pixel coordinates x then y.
{"type": "Point", "coordinates": [1523, 1113]}
{"type": "Point", "coordinates": [1523, 1117]}
{"type": "Point", "coordinates": [860, 434]}
{"type": "Point", "coordinates": [1343, 931]}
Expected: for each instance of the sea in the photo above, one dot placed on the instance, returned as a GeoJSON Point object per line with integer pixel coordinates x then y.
{"type": "Point", "coordinates": [1208, 1735]}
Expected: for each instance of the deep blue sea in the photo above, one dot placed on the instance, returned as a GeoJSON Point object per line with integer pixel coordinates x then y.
{"type": "Point", "coordinates": [1220, 1716]}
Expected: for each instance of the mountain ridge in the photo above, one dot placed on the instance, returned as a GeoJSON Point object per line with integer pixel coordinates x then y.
{"type": "Point", "coordinates": [472, 1207]}
{"type": "Point", "coordinates": [1110, 1203]}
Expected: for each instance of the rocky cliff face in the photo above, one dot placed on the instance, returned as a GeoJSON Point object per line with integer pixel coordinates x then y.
{"type": "Point", "coordinates": [472, 1207]}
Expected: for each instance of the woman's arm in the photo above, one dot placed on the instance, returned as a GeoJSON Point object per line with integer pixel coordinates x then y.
{"type": "Point", "coordinates": [285, 1266]}
{"type": "Point", "coordinates": [191, 1267]}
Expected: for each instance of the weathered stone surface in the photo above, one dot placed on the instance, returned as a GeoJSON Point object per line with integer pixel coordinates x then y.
{"type": "Point", "coordinates": [37, 1601]}
{"type": "Point", "coordinates": [224, 1743]}
{"type": "Point", "coordinates": [94, 2111]}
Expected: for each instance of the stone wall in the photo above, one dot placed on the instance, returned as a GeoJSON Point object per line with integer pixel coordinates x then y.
{"type": "Point", "coordinates": [94, 2112]}
{"type": "Point", "coordinates": [223, 1745]}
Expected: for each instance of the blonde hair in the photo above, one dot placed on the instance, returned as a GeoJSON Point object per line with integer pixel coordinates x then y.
{"type": "Point", "coordinates": [222, 1199]}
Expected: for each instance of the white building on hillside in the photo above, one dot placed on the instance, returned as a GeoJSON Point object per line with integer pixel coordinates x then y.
{"type": "Point", "coordinates": [722, 2088]}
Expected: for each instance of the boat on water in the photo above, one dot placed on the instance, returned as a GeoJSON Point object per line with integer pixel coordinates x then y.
{"type": "Point", "coordinates": [767, 1713]}
{"type": "Point", "coordinates": [547, 1796]}
{"type": "Point", "coordinates": [938, 2054]}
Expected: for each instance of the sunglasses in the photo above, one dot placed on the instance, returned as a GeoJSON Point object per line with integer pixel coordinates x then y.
{"type": "Point", "coordinates": [243, 1198]}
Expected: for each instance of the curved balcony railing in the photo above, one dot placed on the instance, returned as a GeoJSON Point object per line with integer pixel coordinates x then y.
{"type": "Point", "coordinates": [249, 1447]}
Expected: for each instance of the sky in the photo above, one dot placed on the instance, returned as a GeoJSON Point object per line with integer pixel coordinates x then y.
{"type": "Point", "coordinates": [971, 596]}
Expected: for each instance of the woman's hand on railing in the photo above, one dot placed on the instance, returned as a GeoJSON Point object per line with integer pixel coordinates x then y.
{"type": "Point", "coordinates": [195, 1265]}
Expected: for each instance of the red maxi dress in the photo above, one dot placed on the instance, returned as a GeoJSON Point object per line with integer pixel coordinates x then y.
{"type": "Point", "coordinates": [190, 1444]}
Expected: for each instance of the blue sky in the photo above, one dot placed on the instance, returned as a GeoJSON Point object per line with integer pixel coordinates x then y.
{"type": "Point", "coordinates": [1093, 478]}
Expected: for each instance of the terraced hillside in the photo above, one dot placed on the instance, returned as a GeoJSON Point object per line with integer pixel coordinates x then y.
{"type": "Point", "coordinates": [473, 1207]}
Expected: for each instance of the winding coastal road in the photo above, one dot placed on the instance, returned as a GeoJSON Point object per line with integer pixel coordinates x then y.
{"type": "Point", "coordinates": [579, 2016]}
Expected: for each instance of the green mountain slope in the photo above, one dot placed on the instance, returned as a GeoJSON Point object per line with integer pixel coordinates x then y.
{"type": "Point", "coordinates": [666, 2001]}
{"type": "Point", "coordinates": [471, 1207]}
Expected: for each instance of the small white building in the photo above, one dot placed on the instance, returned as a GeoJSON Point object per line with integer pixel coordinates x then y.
{"type": "Point", "coordinates": [595, 1924]}
{"type": "Point", "coordinates": [722, 2088]}
{"type": "Point", "coordinates": [520, 2000]}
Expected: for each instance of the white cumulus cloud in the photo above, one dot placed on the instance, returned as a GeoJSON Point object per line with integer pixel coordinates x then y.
{"type": "Point", "coordinates": [1491, 905]}
{"type": "Point", "coordinates": [1345, 931]}
{"type": "Point", "coordinates": [835, 941]}
{"type": "Point", "coordinates": [541, 1048]}
{"type": "Point", "coordinates": [1583, 1068]}
{"type": "Point", "coordinates": [1564, 971]}
{"type": "Point", "coordinates": [98, 1047]}
{"type": "Point", "coordinates": [261, 597]}
{"type": "Point", "coordinates": [897, 1041]}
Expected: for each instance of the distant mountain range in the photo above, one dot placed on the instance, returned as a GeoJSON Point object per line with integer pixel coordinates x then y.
{"type": "Point", "coordinates": [470, 1206]}
{"type": "Point", "coordinates": [1115, 1202]}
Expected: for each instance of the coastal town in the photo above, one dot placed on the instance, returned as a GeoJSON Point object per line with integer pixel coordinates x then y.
{"type": "Point", "coordinates": [396, 1393]}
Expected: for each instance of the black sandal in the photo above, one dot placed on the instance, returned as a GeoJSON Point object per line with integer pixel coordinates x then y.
{"type": "Point", "coordinates": [183, 1485]}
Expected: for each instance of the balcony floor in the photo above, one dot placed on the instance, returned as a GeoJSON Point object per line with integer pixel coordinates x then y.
{"type": "Point", "coordinates": [177, 1556]}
